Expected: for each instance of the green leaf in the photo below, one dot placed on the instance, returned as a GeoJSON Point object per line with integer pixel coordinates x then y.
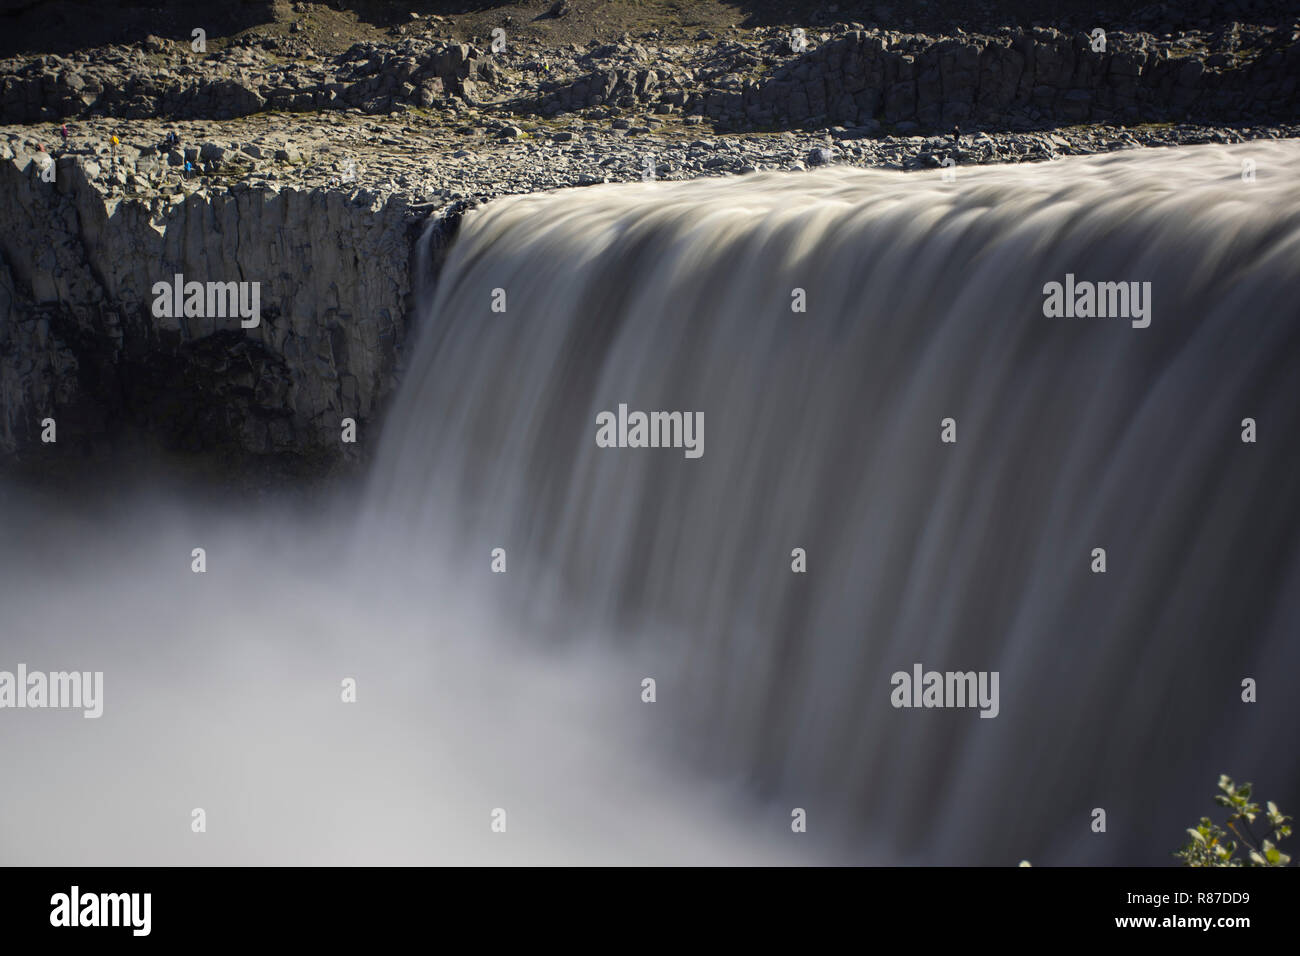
{"type": "Point", "coordinates": [1212, 845]}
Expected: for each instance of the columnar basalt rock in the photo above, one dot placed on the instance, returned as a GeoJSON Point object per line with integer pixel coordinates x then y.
{"type": "Point", "coordinates": [1018, 79]}
{"type": "Point", "coordinates": [849, 75]}
{"type": "Point", "coordinates": [80, 342]}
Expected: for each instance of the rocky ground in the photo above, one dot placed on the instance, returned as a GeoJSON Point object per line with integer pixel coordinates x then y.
{"type": "Point", "coordinates": [534, 96]}
{"type": "Point", "coordinates": [435, 161]}
{"type": "Point", "coordinates": [350, 124]}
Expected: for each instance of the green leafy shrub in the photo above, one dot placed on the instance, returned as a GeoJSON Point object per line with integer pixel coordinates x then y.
{"type": "Point", "coordinates": [1213, 845]}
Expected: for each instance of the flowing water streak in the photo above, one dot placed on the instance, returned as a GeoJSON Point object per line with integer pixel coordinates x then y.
{"type": "Point", "coordinates": [924, 301]}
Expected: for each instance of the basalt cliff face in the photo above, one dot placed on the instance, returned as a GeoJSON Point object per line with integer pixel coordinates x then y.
{"type": "Point", "coordinates": [303, 154]}
{"type": "Point", "coordinates": [81, 343]}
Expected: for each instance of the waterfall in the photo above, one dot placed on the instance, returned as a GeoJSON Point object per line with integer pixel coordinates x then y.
{"type": "Point", "coordinates": [826, 326]}
{"type": "Point", "coordinates": [348, 679]}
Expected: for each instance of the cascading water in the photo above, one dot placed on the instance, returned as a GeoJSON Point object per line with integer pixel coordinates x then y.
{"type": "Point", "coordinates": [924, 300]}
{"type": "Point", "coordinates": [475, 692]}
